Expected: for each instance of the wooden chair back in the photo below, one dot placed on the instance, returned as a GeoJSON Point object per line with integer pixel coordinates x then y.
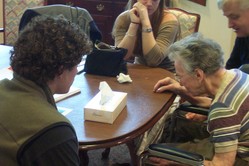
{"type": "Point", "coordinates": [189, 22]}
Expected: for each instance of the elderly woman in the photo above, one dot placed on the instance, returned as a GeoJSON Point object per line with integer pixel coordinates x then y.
{"type": "Point", "coordinates": [199, 65]}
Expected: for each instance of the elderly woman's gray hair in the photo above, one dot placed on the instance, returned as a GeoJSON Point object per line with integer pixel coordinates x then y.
{"type": "Point", "coordinates": [244, 4]}
{"type": "Point", "coordinates": [197, 52]}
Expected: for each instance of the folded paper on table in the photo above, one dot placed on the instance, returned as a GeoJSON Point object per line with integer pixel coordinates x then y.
{"type": "Point", "coordinates": [6, 73]}
{"type": "Point", "coordinates": [72, 91]}
{"type": "Point", "coordinates": [64, 111]}
{"type": "Point", "coordinates": [108, 112]}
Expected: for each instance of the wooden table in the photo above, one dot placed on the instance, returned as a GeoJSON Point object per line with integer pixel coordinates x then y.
{"type": "Point", "coordinates": [144, 108]}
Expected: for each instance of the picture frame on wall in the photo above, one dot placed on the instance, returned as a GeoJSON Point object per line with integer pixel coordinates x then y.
{"type": "Point", "coordinates": [201, 2]}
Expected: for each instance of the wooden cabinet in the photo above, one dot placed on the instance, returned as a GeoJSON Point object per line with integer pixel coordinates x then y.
{"type": "Point", "coordinates": [104, 12]}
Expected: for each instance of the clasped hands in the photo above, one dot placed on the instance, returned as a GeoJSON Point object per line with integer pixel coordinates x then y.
{"type": "Point", "coordinates": [139, 13]}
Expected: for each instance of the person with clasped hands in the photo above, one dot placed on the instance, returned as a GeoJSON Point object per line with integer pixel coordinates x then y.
{"type": "Point", "coordinates": [44, 61]}
{"type": "Point", "coordinates": [237, 13]}
{"type": "Point", "coordinates": [146, 29]}
{"type": "Point", "coordinates": [199, 64]}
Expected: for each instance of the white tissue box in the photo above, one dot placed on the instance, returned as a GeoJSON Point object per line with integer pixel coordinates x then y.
{"type": "Point", "coordinates": [108, 112]}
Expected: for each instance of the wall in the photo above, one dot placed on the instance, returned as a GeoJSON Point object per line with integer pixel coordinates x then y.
{"type": "Point", "coordinates": [1, 20]}
{"type": "Point", "coordinates": [213, 24]}
{"type": "Point", "coordinates": [14, 10]}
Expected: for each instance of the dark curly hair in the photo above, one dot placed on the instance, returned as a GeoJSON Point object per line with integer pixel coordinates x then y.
{"type": "Point", "coordinates": [46, 47]}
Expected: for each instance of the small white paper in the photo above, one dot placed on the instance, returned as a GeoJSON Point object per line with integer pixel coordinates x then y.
{"type": "Point", "coordinates": [64, 111]}
{"type": "Point", "coordinates": [72, 91]}
{"type": "Point", "coordinates": [106, 92]}
{"type": "Point", "coordinates": [122, 78]}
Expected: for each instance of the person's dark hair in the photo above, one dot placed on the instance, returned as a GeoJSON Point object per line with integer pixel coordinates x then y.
{"type": "Point", "coordinates": [46, 47]}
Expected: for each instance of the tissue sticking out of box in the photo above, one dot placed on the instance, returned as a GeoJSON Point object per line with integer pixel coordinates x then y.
{"type": "Point", "coordinates": [106, 92]}
{"type": "Point", "coordinates": [122, 78]}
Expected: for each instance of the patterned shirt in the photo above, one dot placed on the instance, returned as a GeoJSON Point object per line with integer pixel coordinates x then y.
{"type": "Point", "coordinates": [228, 120]}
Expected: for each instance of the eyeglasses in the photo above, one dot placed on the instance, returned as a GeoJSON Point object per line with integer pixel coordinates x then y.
{"type": "Point", "coordinates": [179, 78]}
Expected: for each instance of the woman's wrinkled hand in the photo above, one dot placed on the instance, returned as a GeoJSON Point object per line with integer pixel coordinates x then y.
{"type": "Point", "coordinates": [195, 117]}
{"type": "Point", "coordinates": [163, 162]}
{"type": "Point", "coordinates": [159, 161]}
{"type": "Point", "coordinates": [167, 84]}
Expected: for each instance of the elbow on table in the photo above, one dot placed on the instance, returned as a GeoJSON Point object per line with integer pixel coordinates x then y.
{"type": "Point", "coordinates": [154, 63]}
{"type": "Point", "coordinates": [154, 60]}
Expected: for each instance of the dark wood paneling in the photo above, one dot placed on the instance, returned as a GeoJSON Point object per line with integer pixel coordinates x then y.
{"type": "Point", "coordinates": [104, 12]}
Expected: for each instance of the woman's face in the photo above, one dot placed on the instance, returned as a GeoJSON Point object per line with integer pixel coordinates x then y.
{"type": "Point", "coordinates": [189, 81]}
{"type": "Point", "coordinates": [151, 5]}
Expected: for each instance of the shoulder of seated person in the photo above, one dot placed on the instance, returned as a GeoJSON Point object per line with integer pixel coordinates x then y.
{"type": "Point", "coordinates": [168, 16]}
{"type": "Point", "coordinates": [124, 13]}
{"type": "Point", "coordinates": [124, 16]}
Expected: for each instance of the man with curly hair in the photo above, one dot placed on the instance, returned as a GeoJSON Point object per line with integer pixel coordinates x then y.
{"type": "Point", "coordinates": [44, 61]}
